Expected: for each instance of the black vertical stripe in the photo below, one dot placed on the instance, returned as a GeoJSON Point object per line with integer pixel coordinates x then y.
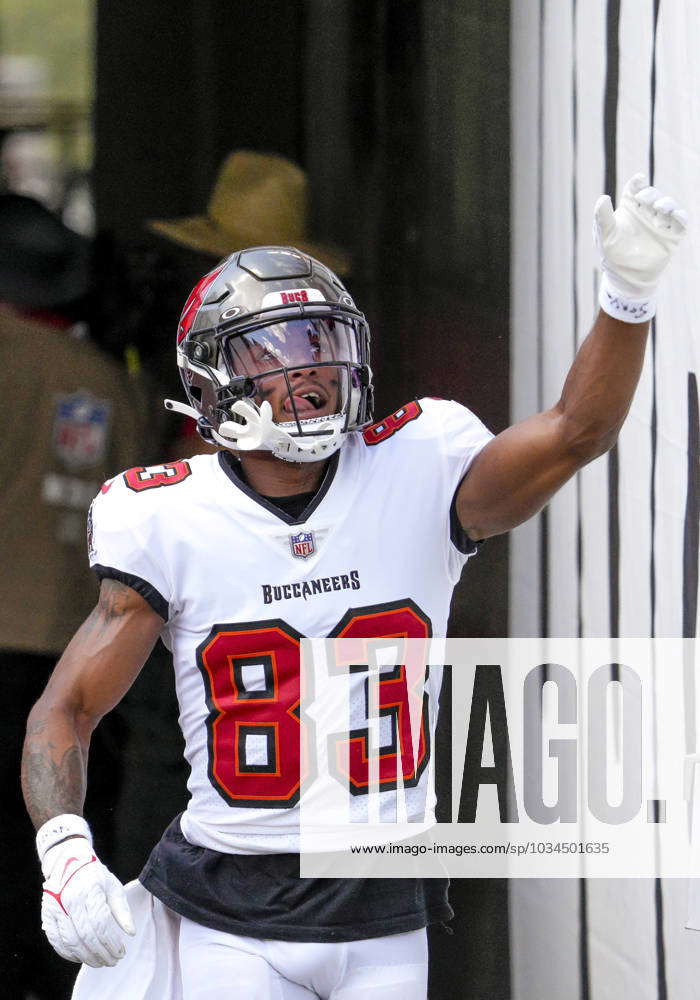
{"type": "Point", "coordinates": [654, 407]}
{"type": "Point", "coordinates": [443, 750]}
{"type": "Point", "coordinates": [579, 557]}
{"type": "Point", "coordinates": [612, 86]}
{"type": "Point", "coordinates": [574, 296]}
{"type": "Point", "coordinates": [691, 543]}
{"type": "Point", "coordinates": [612, 83]}
{"type": "Point", "coordinates": [614, 539]}
{"type": "Point", "coordinates": [653, 432]}
{"type": "Point", "coordinates": [662, 986]}
{"type": "Point", "coordinates": [691, 527]}
{"type": "Point", "coordinates": [584, 957]}
{"type": "Point", "coordinates": [544, 519]}
{"type": "Point", "coordinates": [544, 572]}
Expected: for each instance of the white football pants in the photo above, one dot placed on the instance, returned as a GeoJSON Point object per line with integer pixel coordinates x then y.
{"type": "Point", "coordinates": [220, 966]}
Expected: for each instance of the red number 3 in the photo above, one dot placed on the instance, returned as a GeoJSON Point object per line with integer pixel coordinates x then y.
{"type": "Point", "coordinates": [252, 683]}
{"type": "Point", "coordinates": [140, 478]}
{"type": "Point", "coordinates": [403, 619]}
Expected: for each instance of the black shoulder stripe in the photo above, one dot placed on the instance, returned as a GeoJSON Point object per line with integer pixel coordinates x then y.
{"type": "Point", "coordinates": [142, 587]}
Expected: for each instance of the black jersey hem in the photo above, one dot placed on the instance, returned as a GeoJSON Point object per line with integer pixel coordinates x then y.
{"type": "Point", "coordinates": [141, 586]}
{"type": "Point", "coordinates": [293, 932]}
{"type": "Point", "coordinates": [458, 536]}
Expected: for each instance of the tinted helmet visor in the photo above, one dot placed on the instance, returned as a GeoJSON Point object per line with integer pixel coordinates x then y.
{"type": "Point", "coordinates": [308, 366]}
{"type": "Point", "coordinates": [291, 344]}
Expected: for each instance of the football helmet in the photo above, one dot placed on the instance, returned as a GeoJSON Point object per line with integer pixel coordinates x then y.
{"type": "Point", "coordinates": [274, 355]}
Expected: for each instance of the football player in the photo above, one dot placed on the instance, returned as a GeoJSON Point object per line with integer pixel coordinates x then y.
{"type": "Point", "coordinates": [232, 557]}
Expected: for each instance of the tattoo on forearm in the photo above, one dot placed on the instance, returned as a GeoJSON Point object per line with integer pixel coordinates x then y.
{"type": "Point", "coordinates": [35, 728]}
{"type": "Point", "coordinates": [54, 762]}
{"type": "Point", "coordinates": [51, 787]}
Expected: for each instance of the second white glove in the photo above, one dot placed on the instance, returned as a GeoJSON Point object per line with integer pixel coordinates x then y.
{"type": "Point", "coordinates": [84, 911]}
{"type": "Point", "coordinates": [635, 242]}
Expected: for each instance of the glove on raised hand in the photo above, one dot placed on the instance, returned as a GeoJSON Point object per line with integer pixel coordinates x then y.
{"type": "Point", "coordinates": [635, 242]}
{"type": "Point", "coordinates": [84, 911]}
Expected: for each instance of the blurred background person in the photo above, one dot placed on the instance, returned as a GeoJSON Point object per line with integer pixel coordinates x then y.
{"type": "Point", "coordinates": [73, 417]}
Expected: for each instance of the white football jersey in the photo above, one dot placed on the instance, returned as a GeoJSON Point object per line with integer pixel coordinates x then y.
{"type": "Point", "coordinates": [239, 583]}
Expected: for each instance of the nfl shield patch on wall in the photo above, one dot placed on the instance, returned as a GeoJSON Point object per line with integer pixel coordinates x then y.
{"type": "Point", "coordinates": [302, 544]}
{"type": "Point", "coordinates": [80, 429]}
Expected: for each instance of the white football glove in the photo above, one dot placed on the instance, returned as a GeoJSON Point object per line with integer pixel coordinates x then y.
{"type": "Point", "coordinates": [84, 911]}
{"type": "Point", "coordinates": [635, 243]}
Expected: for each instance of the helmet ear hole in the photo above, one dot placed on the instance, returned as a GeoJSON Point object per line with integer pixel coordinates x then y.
{"type": "Point", "coordinates": [196, 393]}
{"type": "Point", "coordinates": [201, 351]}
{"type": "Point", "coordinates": [204, 431]}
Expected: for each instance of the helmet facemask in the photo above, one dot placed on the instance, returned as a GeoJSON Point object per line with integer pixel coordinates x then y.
{"type": "Point", "coordinates": [274, 356]}
{"type": "Point", "coordinates": [306, 374]}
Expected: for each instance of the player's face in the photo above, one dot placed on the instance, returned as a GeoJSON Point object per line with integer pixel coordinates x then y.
{"type": "Point", "coordinates": [315, 393]}
{"type": "Point", "coordinates": [306, 349]}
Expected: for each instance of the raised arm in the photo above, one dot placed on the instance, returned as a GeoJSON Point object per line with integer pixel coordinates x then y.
{"type": "Point", "coordinates": [518, 472]}
{"type": "Point", "coordinates": [98, 667]}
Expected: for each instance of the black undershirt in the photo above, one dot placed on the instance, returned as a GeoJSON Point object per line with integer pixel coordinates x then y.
{"type": "Point", "coordinates": [262, 895]}
{"type": "Point", "coordinates": [293, 505]}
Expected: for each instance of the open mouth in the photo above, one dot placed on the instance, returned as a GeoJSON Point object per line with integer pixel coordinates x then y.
{"type": "Point", "coordinates": [307, 403]}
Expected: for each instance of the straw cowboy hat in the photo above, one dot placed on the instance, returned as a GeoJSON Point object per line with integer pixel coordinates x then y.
{"type": "Point", "coordinates": [259, 199]}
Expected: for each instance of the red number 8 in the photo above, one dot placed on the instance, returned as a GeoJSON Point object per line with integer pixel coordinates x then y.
{"type": "Point", "coordinates": [264, 706]}
{"type": "Point", "coordinates": [386, 428]}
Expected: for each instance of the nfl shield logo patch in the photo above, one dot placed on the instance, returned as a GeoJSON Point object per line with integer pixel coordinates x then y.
{"type": "Point", "coordinates": [80, 429]}
{"type": "Point", "coordinates": [303, 544]}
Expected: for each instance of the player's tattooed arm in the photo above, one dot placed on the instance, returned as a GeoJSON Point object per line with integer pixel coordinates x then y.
{"type": "Point", "coordinates": [53, 777]}
{"type": "Point", "coordinates": [98, 667]}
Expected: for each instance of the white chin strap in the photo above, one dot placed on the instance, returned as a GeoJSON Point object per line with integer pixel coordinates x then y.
{"type": "Point", "coordinates": [259, 432]}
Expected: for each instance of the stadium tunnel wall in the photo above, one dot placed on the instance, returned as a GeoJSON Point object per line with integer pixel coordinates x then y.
{"type": "Point", "coordinates": [600, 91]}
